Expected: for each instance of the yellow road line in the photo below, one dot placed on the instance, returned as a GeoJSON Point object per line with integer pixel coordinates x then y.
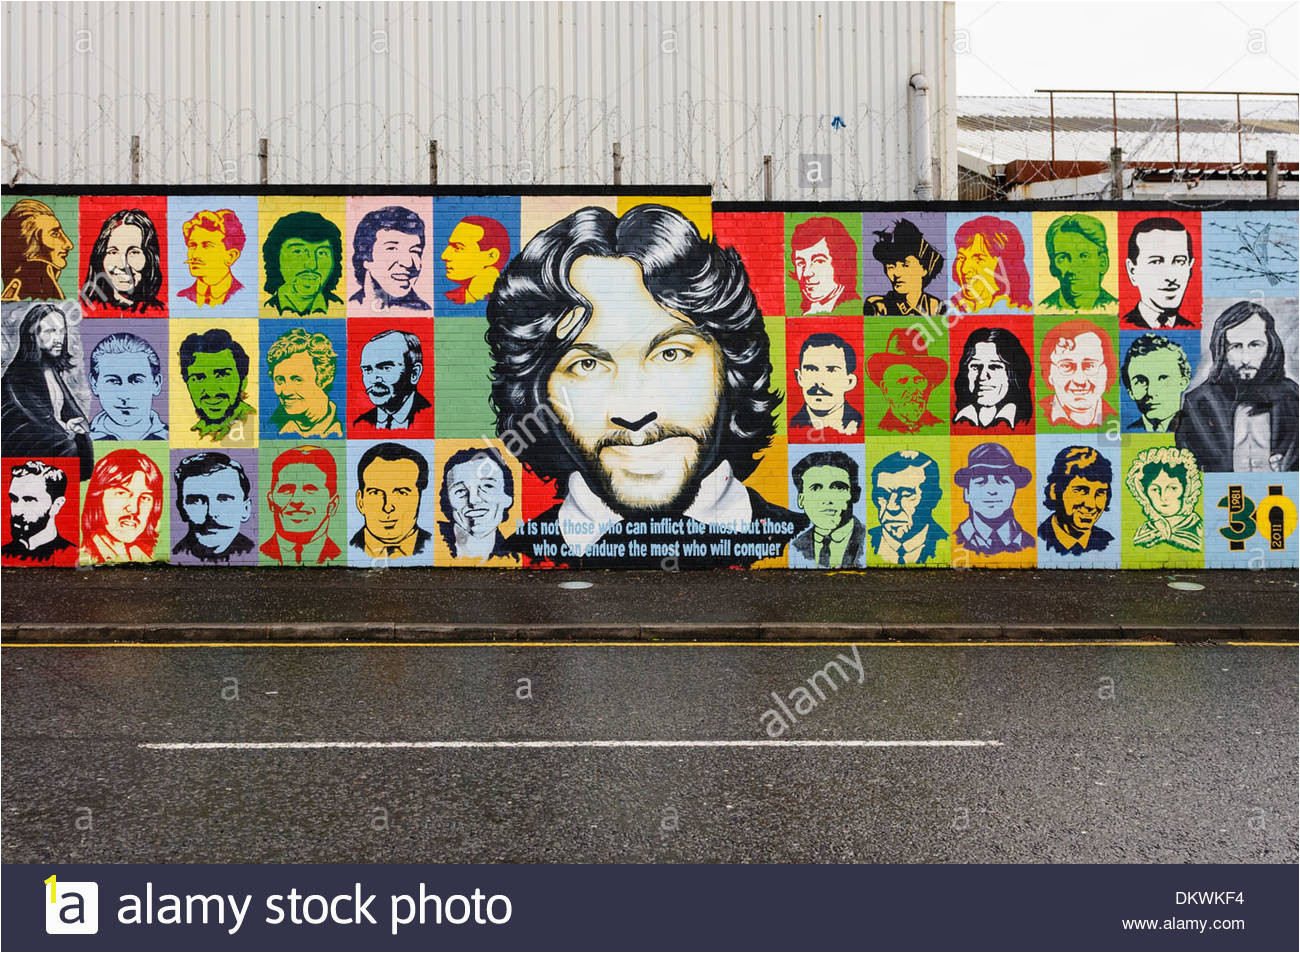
{"type": "Point", "coordinates": [1121, 643]}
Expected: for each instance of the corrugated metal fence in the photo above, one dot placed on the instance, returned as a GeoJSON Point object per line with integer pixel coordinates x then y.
{"type": "Point", "coordinates": [514, 93]}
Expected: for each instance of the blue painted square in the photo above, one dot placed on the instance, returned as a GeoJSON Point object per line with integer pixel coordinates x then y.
{"type": "Point", "coordinates": [1008, 238]}
{"type": "Point", "coordinates": [1101, 553]}
{"type": "Point", "coordinates": [295, 333]}
{"type": "Point", "coordinates": [1249, 254]}
{"type": "Point", "coordinates": [1263, 528]}
{"type": "Point", "coordinates": [449, 290]}
{"type": "Point", "coordinates": [230, 219]}
{"type": "Point", "coordinates": [1184, 355]}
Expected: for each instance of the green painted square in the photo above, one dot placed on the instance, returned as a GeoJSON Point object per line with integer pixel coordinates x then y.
{"type": "Point", "coordinates": [850, 301]}
{"type": "Point", "coordinates": [462, 378]}
{"type": "Point", "coordinates": [938, 450]}
{"type": "Point", "coordinates": [892, 345]}
{"type": "Point", "coordinates": [337, 529]}
{"type": "Point", "coordinates": [1175, 541]}
{"type": "Point", "coordinates": [66, 209]}
{"type": "Point", "coordinates": [1109, 325]}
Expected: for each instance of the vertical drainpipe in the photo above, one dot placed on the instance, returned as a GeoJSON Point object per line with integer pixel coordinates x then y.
{"type": "Point", "coordinates": [920, 97]}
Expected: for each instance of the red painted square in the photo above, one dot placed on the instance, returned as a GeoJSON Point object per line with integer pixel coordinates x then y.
{"type": "Point", "coordinates": [66, 521]}
{"type": "Point", "coordinates": [144, 254]}
{"type": "Point", "coordinates": [360, 408]}
{"type": "Point", "coordinates": [1129, 294]}
{"type": "Point", "coordinates": [758, 236]}
{"type": "Point", "coordinates": [847, 329]}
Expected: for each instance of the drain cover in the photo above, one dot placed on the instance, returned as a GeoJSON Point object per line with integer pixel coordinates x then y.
{"type": "Point", "coordinates": [575, 584]}
{"type": "Point", "coordinates": [1186, 586]}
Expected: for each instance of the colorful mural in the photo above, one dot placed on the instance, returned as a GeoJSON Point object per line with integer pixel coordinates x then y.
{"type": "Point", "coordinates": [378, 379]}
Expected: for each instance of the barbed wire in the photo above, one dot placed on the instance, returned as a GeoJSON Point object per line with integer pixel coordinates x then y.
{"type": "Point", "coordinates": [506, 137]}
{"type": "Point", "coordinates": [1203, 143]}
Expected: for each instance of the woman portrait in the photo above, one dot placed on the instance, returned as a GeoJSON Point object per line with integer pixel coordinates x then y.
{"type": "Point", "coordinates": [989, 267]}
{"type": "Point", "coordinates": [1166, 482]}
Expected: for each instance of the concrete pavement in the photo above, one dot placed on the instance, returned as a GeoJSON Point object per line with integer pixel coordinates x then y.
{"type": "Point", "coordinates": [1133, 753]}
{"type": "Point", "coordinates": [181, 604]}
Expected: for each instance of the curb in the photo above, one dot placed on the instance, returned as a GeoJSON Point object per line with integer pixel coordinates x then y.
{"type": "Point", "coordinates": [776, 632]}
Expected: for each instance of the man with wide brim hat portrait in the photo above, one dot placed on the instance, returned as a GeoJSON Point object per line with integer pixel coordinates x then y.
{"type": "Point", "coordinates": [906, 375]}
{"type": "Point", "coordinates": [989, 482]}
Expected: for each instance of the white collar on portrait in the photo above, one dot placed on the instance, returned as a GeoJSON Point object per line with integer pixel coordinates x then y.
{"type": "Point", "coordinates": [970, 413]}
{"type": "Point", "coordinates": [721, 499]}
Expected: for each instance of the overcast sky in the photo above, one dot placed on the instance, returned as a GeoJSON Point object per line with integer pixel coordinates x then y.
{"type": "Point", "coordinates": [1013, 48]}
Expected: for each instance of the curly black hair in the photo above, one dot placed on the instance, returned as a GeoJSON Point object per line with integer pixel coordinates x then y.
{"type": "Point", "coordinates": [310, 227]}
{"type": "Point", "coordinates": [682, 271]}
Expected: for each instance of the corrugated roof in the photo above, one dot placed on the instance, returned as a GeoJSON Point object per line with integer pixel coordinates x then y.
{"type": "Point", "coordinates": [1001, 129]}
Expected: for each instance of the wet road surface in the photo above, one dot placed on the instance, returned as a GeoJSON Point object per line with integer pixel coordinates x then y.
{"type": "Point", "coordinates": [1106, 753]}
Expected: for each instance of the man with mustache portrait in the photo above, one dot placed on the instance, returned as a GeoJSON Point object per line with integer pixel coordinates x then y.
{"type": "Point", "coordinates": [214, 240]}
{"type": "Point", "coordinates": [1159, 265]}
{"type": "Point", "coordinates": [303, 260]}
{"type": "Point", "coordinates": [826, 376]}
{"type": "Point", "coordinates": [37, 492]}
{"type": "Point", "coordinates": [632, 370]}
{"type": "Point", "coordinates": [906, 374]}
{"type": "Point", "coordinates": [213, 497]}
{"type": "Point", "coordinates": [214, 367]}
{"type": "Point", "coordinates": [1242, 418]}
{"type": "Point", "coordinates": [124, 502]}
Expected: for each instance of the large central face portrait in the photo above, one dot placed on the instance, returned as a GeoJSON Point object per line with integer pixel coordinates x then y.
{"type": "Point", "coordinates": [632, 370]}
{"type": "Point", "coordinates": [637, 391]}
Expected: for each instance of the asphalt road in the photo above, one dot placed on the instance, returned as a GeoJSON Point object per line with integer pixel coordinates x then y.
{"type": "Point", "coordinates": [1108, 753]}
{"type": "Point", "coordinates": [111, 603]}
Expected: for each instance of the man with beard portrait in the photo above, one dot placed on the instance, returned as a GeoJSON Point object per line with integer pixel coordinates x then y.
{"type": "Point", "coordinates": [1243, 417]}
{"type": "Point", "coordinates": [124, 503]}
{"type": "Point", "coordinates": [632, 371]}
{"type": "Point", "coordinates": [214, 367]}
{"type": "Point", "coordinates": [37, 492]}
{"type": "Point", "coordinates": [41, 415]}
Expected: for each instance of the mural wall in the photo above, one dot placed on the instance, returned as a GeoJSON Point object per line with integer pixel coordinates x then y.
{"type": "Point", "coordinates": [617, 380]}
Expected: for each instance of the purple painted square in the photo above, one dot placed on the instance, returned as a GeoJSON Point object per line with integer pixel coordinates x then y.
{"type": "Point", "coordinates": [211, 493]}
